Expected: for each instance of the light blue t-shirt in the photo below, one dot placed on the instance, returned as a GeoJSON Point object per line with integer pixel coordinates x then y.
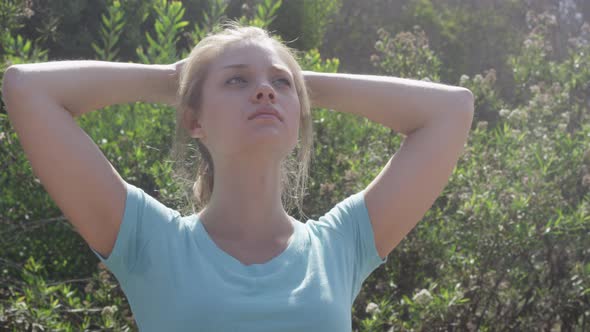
{"type": "Point", "coordinates": [177, 279]}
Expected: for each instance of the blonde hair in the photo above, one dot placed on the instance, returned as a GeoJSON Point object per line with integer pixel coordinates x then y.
{"type": "Point", "coordinates": [294, 172]}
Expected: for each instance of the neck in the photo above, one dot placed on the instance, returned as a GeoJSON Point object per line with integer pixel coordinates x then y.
{"type": "Point", "coordinates": [246, 204]}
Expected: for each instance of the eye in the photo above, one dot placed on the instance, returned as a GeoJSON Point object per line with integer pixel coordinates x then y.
{"type": "Point", "coordinates": [235, 80]}
{"type": "Point", "coordinates": [284, 81]}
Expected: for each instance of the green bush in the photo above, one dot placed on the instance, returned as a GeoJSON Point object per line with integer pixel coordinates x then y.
{"type": "Point", "coordinates": [505, 246]}
{"type": "Point", "coordinates": [406, 55]}
{"type": "Point", "coordinates": [305, 22]}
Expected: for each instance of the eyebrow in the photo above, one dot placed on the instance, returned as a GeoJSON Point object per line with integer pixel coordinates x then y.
{"type": "Point", "coordinates": [243, 65]}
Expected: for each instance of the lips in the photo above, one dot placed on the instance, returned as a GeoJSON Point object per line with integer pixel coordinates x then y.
{"type": "Point", "coordinates": [265, 110]}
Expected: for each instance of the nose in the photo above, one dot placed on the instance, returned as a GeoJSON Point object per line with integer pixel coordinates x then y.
{"type": "Point", "coordinates": [264, 93]}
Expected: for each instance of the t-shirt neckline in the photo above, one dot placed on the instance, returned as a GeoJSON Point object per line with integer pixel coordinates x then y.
{"type": "Point", "coordinates": [285, 258]}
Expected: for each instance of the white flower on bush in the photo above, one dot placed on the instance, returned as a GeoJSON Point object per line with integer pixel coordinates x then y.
{"type": "Point", "coordinates": [463, 80]}
{"type": "Point", "coordinates": [565, 116]}
{"type": "Point", "coordinates": [423, 297]}
{"type": "Point", "coordinates": [565, 95]}
{"type": "Point", "coordinates": [518, 114]}
{"type": "Point", "coordinates": [482, 125]}
{"type": "Point", "coordinates": [478, 79]}
{"type": "Point", "coordinates": [372, 308]}
{"type": "Point", "coordinates": [562, 126]}
{"type": "Point", "coordinates": [464, 196]}
{"type": "Point", "coordinates": [535, 89]}
{"type": "Point", "coordinates": [109, 311]}
{"type": "Point", "coordinates": [546, 110]}
{"type": "Point", "coordinates": [552, 19]}
{"type": "Point", "coordinates": [504, 113]}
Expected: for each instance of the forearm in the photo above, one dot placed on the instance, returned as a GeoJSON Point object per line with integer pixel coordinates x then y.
{"type": "Point", "coordinates": [403, 105]}
{"type": "Point", "coordinates": [86, 85]}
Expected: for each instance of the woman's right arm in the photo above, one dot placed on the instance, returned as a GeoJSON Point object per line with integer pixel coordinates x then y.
{"type": "Point", "coordinates": [42, 100]}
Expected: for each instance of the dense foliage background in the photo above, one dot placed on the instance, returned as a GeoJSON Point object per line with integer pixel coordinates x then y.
{"type": "Point", "coordinates": [504, 247]}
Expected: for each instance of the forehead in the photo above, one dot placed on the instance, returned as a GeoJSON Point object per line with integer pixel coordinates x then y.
{"type": "Point", "coordinates": [252, 53]}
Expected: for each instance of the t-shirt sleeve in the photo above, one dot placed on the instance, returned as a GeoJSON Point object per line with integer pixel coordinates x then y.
{"type": "Point", "coordinates": [145, 221]}
{"type": "Point", "coordinates": [349, 221]}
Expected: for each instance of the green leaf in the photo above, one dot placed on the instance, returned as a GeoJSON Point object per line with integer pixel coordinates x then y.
{"type": "Point", "coordinates": [105, 21]}
{"type": "Point", "coordinates": [151, 41]}
{"type": "Point", "coordinates": [180, 25]}
{"type": "Point", "coordinates": [119, 26]}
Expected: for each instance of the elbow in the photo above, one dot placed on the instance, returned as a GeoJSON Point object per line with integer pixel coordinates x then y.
{"type": "Point", "coordinates": [460, 110]}
{"type": "Point", "coordinates": [13, 79]}
{"type": "Point", "coordinates": [8, 78]}
{"type": "Point", "coordinates": [468, 108]}
{"type": "Point", "coordinates": [11, 76]}
{"type": "Point", "coordinates": [10, 83]}
{"type": "Point", "coordinates": [464, 105]}
{"type": "Point", "coordinates": [467, 102]}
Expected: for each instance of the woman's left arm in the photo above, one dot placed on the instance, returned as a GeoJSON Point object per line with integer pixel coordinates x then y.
{"type": "Point", "coordinates": [435, 118]}
{"type": "Point", "coordinates": [403, 105]}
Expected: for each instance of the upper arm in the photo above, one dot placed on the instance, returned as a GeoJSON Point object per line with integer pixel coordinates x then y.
{"type": "Point", "coordinates": [414, 177]}
{"type": "Point", "coordinates": [71, 167]}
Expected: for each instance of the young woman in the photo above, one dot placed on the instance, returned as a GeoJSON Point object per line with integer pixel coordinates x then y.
{"type": "Point", "coordinates": [241, 263]}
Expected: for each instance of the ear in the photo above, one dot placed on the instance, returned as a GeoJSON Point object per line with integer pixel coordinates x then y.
{"type": "Point", "coordinates": [192, 124]}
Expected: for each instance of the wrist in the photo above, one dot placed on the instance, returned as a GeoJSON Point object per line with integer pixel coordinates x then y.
{"type": "Point", "coordinates": [164, 85]}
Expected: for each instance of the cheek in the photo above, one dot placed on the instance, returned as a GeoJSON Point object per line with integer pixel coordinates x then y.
{"type": "Point", "coordinates": [294, 117]}
{"type": "Point", "coordinates": [218, 110]}
{"type": "Point", "coordinates": [296, 108]}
